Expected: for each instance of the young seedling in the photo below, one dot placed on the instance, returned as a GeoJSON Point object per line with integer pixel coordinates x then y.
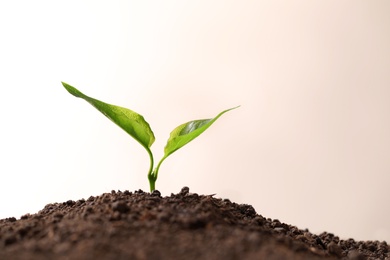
{"type": "Point", "coordinates": [135, 125]}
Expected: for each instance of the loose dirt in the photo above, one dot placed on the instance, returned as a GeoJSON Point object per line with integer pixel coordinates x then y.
{"type": "Point", "coordinates": [141, 225]}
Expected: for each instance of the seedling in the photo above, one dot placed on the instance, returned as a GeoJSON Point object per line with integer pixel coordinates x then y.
{"type": "Point", "coordinates": [135, 125]}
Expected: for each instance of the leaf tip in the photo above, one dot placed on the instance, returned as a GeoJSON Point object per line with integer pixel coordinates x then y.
{"type": "Point", "coordinates": [64, 84]}
{"type": "Point", "coordinates": [231, 108]}
{"type": "Point", "coordinates": [72, 90]}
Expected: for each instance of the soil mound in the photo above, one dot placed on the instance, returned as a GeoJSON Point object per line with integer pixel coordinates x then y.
{"type": "Point", "coordinates": [141, 225]}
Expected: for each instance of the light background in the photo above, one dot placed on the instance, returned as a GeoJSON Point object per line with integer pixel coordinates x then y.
{"type": "Point", "coordinates": [309, 146]}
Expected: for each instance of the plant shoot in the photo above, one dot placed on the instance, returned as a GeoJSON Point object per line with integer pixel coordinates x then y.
{"type": "Point", "coordinates": [135, 125]}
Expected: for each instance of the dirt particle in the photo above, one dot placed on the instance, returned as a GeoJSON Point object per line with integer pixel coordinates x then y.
{"type": "Point", "coordinates": [70, 203]}
{"type": "Point", "coordinates": [319, 242]}
{"type": "Point", "coordinates": [25, 216]}
{"type": "Point", "coordinates": [120, 206]}
{"type": "Point", "coordinates": [334, 249]}
{"type": "Point", "coordinates": [355, 255]}
{"type": "Point", "coordinates": [279, 229]}
{"type": "Point", "coordinates": [11, 219]}
{"type": "Point", "coordinates": [156, 193]}
{"type": "Point", "coordinates": [184, 191]}
{"type": "Point", "coordinates": [10, 239]}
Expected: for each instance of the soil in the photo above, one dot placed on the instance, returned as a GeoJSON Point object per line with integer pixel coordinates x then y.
{"type": "Point", "coordinates": [141, 225]}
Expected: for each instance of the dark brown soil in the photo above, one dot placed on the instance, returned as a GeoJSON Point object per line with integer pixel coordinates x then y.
{"type": "Point", "coordinates": [140, 225]}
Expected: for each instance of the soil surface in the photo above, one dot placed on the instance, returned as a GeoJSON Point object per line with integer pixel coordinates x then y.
{"type": "Point", "coordinates": [141, 225]}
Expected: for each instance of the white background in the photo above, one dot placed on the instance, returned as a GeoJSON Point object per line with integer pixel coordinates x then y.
{"type": "Point", "coordinates": [309, 146]}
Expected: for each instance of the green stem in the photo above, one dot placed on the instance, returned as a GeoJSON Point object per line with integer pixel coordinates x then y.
{"type": "Point", "coordinates": [152, 179]}
{"type": "Point", "coordinates": [152, 183]}
{"type": "Point", "coordinates": [155, 172]}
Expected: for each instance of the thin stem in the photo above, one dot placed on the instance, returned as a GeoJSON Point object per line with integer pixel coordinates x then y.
{"type": "Point", "coordinates": [152, 183]}
{"type": "Point", "coordinates": [155, 172]}
{"type": "Point", "coordinates": [152, 180]}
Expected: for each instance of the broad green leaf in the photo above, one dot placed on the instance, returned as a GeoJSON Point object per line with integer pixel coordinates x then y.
{"type": "Point", "coordinates": [133, 123]}
{"type": "Point", "coordinates": [185, 133]}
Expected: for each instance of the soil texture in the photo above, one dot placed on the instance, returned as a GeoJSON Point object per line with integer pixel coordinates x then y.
{"type": "Point", "coordinates": [142, 225]}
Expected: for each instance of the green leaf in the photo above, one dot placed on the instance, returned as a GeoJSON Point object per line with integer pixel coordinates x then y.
{"type": "Point", "coordinates": [185, 133]}
{"type": "Point", "coordinates": [133, 123]}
